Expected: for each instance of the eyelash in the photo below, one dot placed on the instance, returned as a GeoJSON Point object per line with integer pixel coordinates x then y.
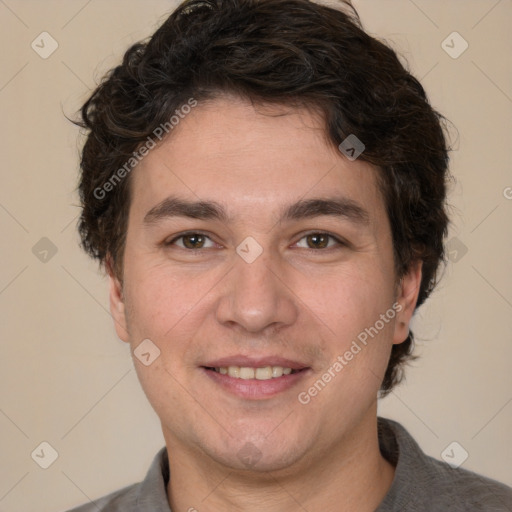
{"type": "Point", "coordinates": [338, 241]}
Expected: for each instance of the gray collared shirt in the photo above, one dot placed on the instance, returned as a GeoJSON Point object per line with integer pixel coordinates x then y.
{"type": "Point", "coordinates": [421, 483]}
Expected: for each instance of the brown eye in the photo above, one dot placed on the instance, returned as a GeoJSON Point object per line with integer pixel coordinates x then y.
{"type": "Point", "coordinates": [194, 241]}
{"type": "Point", "coordinates": [318, 241]}
{"type": "Point", "coordinates": [191, 241]}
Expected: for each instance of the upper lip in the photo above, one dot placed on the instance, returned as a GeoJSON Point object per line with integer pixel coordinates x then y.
{"type": "Point", "coordinates": [254, 362]}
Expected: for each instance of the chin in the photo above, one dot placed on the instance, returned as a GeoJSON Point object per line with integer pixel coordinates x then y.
{"type": "Point", "coordinates": [256, 454]}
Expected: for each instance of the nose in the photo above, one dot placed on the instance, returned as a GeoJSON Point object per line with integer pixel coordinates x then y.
{"type": "Point", "coordinates": [256, 296]}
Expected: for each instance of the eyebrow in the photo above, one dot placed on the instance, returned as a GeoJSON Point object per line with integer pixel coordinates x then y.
{"type": "Point", "coordinates": [340, 207]}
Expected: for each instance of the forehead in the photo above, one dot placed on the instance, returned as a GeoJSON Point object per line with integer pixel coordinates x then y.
{"type": "Point", "coordinates": [250, 158]}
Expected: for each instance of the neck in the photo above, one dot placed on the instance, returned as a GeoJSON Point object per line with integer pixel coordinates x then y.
{"type": "Point", "coordinates": [352, 476]}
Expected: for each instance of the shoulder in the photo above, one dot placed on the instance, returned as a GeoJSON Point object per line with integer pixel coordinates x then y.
{"type": "Point", "coordinates": [150, 494]}
{"type": "Point", "coordinates": [466, 490]}
{"type": "Point", "coordinates": [423, 483]}
{"type": "Point", "coordinates": [124, 499]}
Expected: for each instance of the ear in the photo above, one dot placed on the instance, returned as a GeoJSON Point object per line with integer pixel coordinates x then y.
{"type": "Point", "coordinates": [117, 306]}
{"type": "Point", "coordinates": [407, 295]}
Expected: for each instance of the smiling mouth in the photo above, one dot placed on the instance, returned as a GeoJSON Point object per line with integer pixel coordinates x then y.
{"type": "Point", "coordinates": [261, 373]}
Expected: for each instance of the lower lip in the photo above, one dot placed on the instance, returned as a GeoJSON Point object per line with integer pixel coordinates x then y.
{"type": "Point", "coordinates": [253, 388]}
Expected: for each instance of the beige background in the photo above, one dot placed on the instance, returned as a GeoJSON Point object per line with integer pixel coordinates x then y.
{"type": "Point", "coordinates": [65, 377]}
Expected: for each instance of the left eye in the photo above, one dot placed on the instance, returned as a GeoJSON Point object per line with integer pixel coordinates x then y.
{"type": "Point", "coordinates": [319, 241]}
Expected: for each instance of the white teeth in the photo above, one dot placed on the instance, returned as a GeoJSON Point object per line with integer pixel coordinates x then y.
{"type": "Point", "coordinates": [246, 372]}
{"type": "Point", "coordinates": [264, 373]}
{"type": "Point", "coordinates": [277, 371]}
{"type": "Point", "coordinates": [234, 371]}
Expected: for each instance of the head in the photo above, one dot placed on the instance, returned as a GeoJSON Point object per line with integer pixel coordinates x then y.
{"type": "Point", "coordinates": [236, 109]}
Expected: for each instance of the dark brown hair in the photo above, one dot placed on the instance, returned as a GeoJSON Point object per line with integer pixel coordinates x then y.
{"type": "Point", "coordinates": [287, 52]}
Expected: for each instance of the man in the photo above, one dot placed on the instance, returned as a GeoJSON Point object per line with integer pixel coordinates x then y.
{"type": "Point", "coordinates": [265, 186]}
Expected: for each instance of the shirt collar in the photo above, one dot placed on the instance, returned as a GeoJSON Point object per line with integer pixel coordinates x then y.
{"type": "Point", "coordinates": [401, 450]}
{"type": "Point", "coordinates": [152, 493]}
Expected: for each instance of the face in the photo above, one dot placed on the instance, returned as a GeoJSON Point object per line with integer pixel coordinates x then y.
{"type": "Point", "coordinates": [257, 256]}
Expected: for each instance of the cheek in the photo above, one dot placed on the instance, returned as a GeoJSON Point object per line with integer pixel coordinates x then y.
{"type": "Point", "coordinates": [156, 303]}
{"type": "Point", "coordinates": [348, 302]}
{"type": "Point", "coordinates": [161, 383]}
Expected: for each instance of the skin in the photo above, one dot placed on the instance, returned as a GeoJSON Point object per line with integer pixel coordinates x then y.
{"type": "Point", "coordinates": [299, 299]}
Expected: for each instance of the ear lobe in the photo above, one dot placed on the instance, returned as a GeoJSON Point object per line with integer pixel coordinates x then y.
{"type": "Point", "coordinates": [117, 306]}
{"type": "Point", "coordinates": [407, 296]}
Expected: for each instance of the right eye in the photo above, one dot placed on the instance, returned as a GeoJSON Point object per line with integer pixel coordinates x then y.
{"type": "Point", "coordinates": [190, 240]}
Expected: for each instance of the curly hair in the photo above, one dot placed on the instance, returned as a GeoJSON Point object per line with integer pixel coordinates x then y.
{"type": "Point", "coordinates": [287, 52]}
